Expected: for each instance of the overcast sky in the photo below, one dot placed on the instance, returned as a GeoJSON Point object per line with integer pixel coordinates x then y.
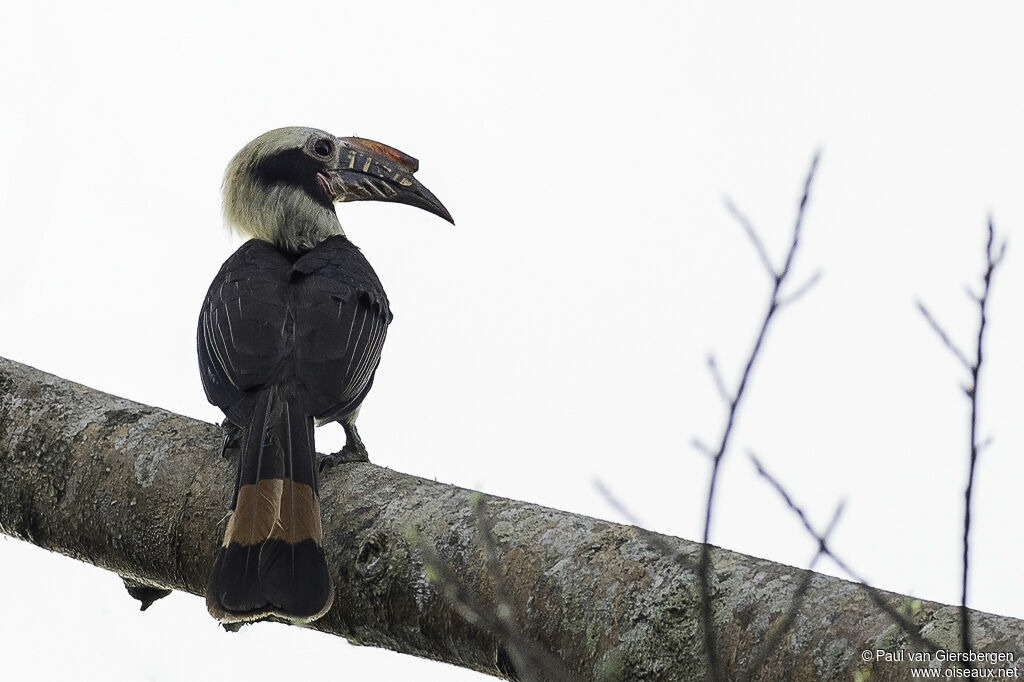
{"type": "Point", "coordinates": [559, 334]}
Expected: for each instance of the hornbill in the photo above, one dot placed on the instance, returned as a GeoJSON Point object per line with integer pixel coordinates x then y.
{"type": "Point", "coordinates": [290, 334]}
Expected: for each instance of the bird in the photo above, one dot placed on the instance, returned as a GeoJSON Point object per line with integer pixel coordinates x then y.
{"type": "Point", "coordinates": [290, 336]}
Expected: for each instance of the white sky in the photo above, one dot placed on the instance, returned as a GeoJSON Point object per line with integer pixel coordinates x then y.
{"type": "Point", "coordinates": [559, 334]}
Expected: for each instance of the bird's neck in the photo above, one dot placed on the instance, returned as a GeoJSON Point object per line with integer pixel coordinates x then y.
{"type": "Point", "coordinates": [291, 220]}
{"type": "Point", "coordinates": [301, 222]}
{"type": "Point", "coordinates": [304, 231]}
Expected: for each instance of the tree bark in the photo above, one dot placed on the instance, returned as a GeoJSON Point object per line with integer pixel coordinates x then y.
{"type": "Point", "coordinates": [144, 492]}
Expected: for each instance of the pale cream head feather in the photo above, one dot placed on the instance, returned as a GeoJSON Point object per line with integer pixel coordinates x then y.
{"type": "Point", "coordinates": [280, 212]}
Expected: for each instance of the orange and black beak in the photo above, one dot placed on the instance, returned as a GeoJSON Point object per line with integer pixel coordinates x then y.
{"type": "Point", "coordinates": [371, 171]}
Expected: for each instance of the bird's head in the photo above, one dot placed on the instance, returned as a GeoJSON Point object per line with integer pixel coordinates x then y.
{"type": "Point", "coordinates": [282, 186]}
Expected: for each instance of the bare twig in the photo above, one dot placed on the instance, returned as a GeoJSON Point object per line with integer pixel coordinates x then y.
{"type": "Point", "coordinates": [801, 290]}
{"type": "Point", "coordinates": [656, 540]}
{"type": "Point", "coordinates": [702, 447]}
{"type": "Point", "coordinates": [616, 504]}
{"type": "Point", "coordinates": [775, 638]}
{"type": "Point", "coordinates": [716, 375]}
{"type": "Point", "coordinates": [912, 630]}
{"type": "Point", "coordinates": [937, 328]}
{"type": "Point", "coordinates": [763, 473]}
{"type": "Point", "coordinates": [748, 228]}
{"type": "Point", "coordinates": [990, 266]}
{"type": "Point", "coordinates": [529, 662]}
{"type": "Point", "coordinates": [992, 260]}
{"type": "Point", "coordinates": [779, 278]}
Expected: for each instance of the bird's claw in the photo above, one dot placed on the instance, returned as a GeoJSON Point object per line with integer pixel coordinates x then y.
{"type": "Point", "coordinates": [232, 437]}
{"type": "Point", "coordinates": [347, 455]}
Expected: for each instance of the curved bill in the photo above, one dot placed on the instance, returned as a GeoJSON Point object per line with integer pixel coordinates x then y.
{"type": "Point", "coordinates": [371, 171]}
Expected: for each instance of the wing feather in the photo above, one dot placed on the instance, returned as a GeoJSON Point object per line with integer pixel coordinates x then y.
{"type": "Point", "coordinates": [320, 319]}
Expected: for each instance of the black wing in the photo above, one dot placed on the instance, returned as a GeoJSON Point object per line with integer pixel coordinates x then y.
{"type": "Point", "coordinates": [243, 328]}
{"type": "Point", "coordinates": [318, 321]}
{"type": "Point", "coordinates": [341, 321]}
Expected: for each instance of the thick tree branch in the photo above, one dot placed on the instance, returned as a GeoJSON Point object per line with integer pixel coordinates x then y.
{"type": "Point", "coordinates": [141, 492]}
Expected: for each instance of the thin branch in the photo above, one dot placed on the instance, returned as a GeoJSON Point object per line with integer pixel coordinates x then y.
{"type": "Point", "coordinates": [702, 447]}
{"type": "Point", "coordinates": [716, 375]}
{"type": "Point", "coordinates": [990, 266]}
{"type": "Point", "coordinates": [531, 663]}
{"type": "Point", "coordinates": [783, 627]}
{"type": "Point", "coordinates": [937, 328]}
{"type": "Point", "coordinates": [616, 504]}
{"type": "Point", "coordinates": [773, 306]}
{"type": "Point", "coordinates": [486, 526]}
{"type": "Point", "coordinates": [763, 473]}
{"type": "Point", "coordinates": [751, 233]}
{"type": "Point", "coordinates": [970, 294]}
{"type": "Point", "coordinates": [800, 217]}
{"type": "Point", "coordinates": [661, 545]}
{"type": "Point", "coordinates": [801, 290]}
{"type": "Point", "coordinates": [971, 391]}
{"type": "Point", "coordinates": [912, 630]}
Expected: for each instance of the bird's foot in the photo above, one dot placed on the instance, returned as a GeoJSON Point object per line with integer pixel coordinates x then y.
{"type": "Point", "coordinates": [232, 437]}
{"type": "Point", "coordinates": [347, 455]}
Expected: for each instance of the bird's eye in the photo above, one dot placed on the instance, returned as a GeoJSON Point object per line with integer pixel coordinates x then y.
{"type": "Point", "coordinates": [323, 147]}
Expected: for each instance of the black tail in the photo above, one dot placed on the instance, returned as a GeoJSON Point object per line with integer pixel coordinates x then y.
{"type": "Point", "coordinates": [272, 559]}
